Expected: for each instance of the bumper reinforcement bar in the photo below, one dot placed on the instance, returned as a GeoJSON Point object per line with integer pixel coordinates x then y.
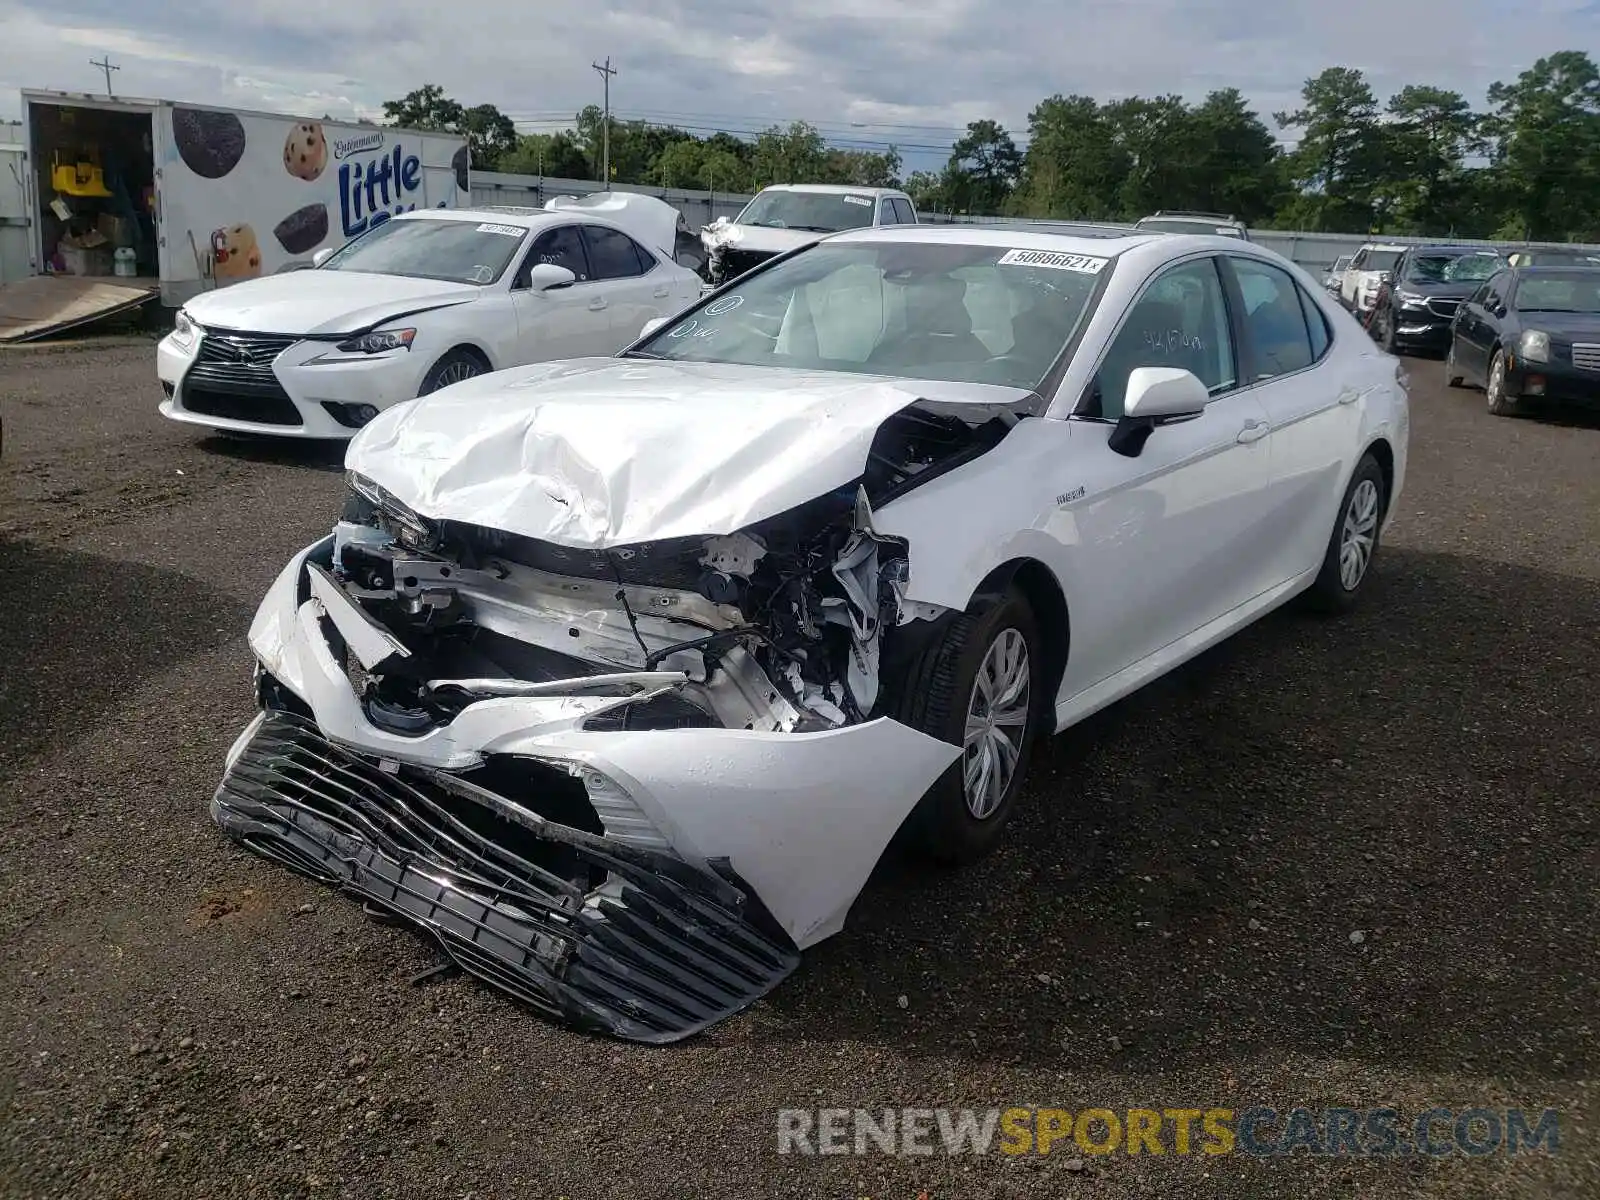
{"type": "Point", "coordinates": [674, 949]}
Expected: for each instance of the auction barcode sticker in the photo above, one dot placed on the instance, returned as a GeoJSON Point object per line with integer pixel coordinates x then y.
{"type": "Point", "coordinates": [502, 230]}
{"type": "Point", "coordinates": [864, 201]}
{"type": "Point", "coordinates": [1053, 259]}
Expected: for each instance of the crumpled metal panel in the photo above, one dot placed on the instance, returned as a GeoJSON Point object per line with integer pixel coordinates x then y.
{"type": "Point", "coordinates": [672, 950]}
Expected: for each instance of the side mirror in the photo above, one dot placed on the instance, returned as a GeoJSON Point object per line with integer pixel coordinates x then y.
{"type": "Point", "coordinates": [1155, 396]}
{"type": "Point", "coordinates": [321, 256]}
{"type": "Point", "coordinates": [545, 276]}
{"type": "Point", "coordinates": [653, 324]}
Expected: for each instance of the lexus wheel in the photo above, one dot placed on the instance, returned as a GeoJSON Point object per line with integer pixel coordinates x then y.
{"type": "Point", "coordinates": [455, 367]}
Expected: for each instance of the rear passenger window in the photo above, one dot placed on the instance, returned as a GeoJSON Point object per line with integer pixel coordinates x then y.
{"type": "Point", "coordinates": [611, 253]}
{"type": "Point", "coordinates": [1316, 324]}
{"type": "Point", "coordinates": [904, 212]}
{"type": "Point", "coordinates": [1275, 323]}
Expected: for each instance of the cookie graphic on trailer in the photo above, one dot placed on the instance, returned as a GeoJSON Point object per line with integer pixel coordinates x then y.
{"type": "Point", "coordinates": [235, 254]}
{"type": "Point", "coordinates": [211, 143]}
{"type": "Point", "coordinates": [305, 150]}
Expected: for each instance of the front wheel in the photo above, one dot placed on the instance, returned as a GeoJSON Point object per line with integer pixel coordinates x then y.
{"type": "Point", "coordinates": [1354, 541]}
{"type": "Point", "coordinates": [454, 367]}
{"type": "Point", "coordinates": [1500, 404]}
{"type": "Point", "coordinates": [979, 686]}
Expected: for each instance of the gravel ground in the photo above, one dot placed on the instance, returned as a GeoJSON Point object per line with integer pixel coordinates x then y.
{"type": "Point", "coordinates": [1171, 924]}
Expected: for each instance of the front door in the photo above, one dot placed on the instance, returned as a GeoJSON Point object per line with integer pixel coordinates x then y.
{"type": "Point", "coordinates": [563, 322]}
{"type": "Point", "coordinates": [1170, 540]}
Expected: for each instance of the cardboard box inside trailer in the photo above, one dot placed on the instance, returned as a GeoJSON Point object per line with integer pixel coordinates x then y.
{"type": "Point", "coordinates": [201, 197]}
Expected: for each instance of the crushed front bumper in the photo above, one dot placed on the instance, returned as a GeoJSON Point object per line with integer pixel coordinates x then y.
{"type": "Point", "coordinates": [663, 951]}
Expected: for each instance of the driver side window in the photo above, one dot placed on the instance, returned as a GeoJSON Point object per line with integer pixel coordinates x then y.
{"type": "Point", "coordinates": [1179, 320]}
{"type": "Point", "coordinates": [561, 247]}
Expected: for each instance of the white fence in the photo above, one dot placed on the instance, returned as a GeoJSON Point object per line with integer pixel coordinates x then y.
{"type": "Point", "coordinates": [1313, 251]}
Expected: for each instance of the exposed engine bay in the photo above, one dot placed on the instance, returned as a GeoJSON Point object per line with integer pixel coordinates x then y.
{"type": "Point", "coordinates": [779, 627]}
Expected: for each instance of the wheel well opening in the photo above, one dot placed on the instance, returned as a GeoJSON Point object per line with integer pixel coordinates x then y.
{"type": "Point", "coordinates": [1384, 453]}
{"type": "Point", "coordinates": [470, 351]}
{"type": "Point", "coordinates": [1049, 604]}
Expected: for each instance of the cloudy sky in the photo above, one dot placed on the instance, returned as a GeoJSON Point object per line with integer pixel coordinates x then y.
{"type": "Point", "coordinates": [865, 71]}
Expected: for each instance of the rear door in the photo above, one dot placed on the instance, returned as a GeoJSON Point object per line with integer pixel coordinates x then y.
{"type": "Point", "coordinates": [632, 285]}
{"type": "Point", "coordinates": [1284, 340]}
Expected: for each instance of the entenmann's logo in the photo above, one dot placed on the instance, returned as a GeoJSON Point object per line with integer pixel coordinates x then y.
{"type": "Point", "coordinates": [363, 143]}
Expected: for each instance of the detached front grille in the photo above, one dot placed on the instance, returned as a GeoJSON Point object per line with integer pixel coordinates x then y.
{"type": "Point", "coordinates": [1586, 356]}
{"type": "Point", "coordinates": [232, 378]}
{"type": "Point", "coordinates": [667, 950]}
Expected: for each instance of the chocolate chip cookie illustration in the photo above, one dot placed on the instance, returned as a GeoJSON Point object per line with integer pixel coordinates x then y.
{"type": "Point", "coordinates": [305, 150]}
{"type": "Point", "coordinates": [235, 253]}
{"type": "Point", "coordinates": [458, 163]}
{"type": "Point", "coordinates": [210, 143]}
{"type": "Point", "coordinates": [302, 231]}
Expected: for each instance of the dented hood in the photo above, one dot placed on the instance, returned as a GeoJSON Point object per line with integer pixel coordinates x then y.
{"type": "Point", "coordinates": [603, 452]}
{"type": "Point", "coordinates": [761, 238]}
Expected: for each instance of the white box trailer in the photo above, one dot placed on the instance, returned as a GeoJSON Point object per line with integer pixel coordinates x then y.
{"type": "Point", "coordinates": [198, 196]}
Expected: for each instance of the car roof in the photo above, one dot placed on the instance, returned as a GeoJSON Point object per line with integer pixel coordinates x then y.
{"type": "Point", "coordinates": [1100, 243]}
{"type": "Point", "coordinates": [1447, 248]}
{"type": "Point", "coordinates": [1383, 246]}
{"type": "Point", "coordinates": [526, 218]}
{"type": "Point", "coordinates": [833, 189]}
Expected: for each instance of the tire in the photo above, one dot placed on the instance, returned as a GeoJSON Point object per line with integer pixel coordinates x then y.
{"type": "Point", "coordinates": [1452, 374]}
{"type": "Point", "coordinates": [455, 366]}
{"type": "Point", "coordinates": [939, 688]}
{"type": "Point", "coordinates": [1386, 334]}
{"type": "Point", "coordinates": [1356, 529]}
{"type": "Point", "coordinates": [1494, 387]}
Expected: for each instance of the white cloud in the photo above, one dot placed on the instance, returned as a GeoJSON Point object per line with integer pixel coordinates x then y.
{"type": "Point", "coordinates": [894, 70]}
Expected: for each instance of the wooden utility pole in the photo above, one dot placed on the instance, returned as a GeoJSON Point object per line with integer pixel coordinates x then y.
{"type": "Point", "coordinates": [107, 66]}
{"type": "Point", "coordinates": [606, 72]}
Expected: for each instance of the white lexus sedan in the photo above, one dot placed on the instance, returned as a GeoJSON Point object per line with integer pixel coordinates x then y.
{"type": "Point", "coordinates": [419, 302]}
{"type": "Point", "coordinates": [619, 674]}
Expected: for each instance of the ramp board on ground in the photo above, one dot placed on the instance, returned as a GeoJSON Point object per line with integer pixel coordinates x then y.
{"type": "Point", "coordinates": [45, 304]}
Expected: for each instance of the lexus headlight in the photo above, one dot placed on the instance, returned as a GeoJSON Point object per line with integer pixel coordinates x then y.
{"type": "Point", "coordinates": [1535, 346]}
{"type": "Point", "coordinates": [379, 342]}
{"type": "Point", "coordinates": [183, 329]}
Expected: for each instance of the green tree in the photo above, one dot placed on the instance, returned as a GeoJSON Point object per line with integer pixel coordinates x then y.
{"type": "Point", "coordinates": [863, 168]}
{"type": "Point", "coordinates": [983, 169]}
{"type": "Point", "coordinates": [1340, 158]}
{"type": "Point", "coordinates": [488, 131]}
{"type": "Point", "coordinates": [1159, 142]}
{"type": "Point", "coordinates": [554, 154]}
{"type": "Point", "coordinates": [1430, 133]}
{"type": "Point", "coordinates": [927, 191]}
{"type": "Point", "coordinates": [1073, 167]}
{"type": "Point", "coordinates": [1236, 166]}
{"type": "Point", "coordinates": [1546, 131]}
{"type": "Point", "coordinates": [797, 154]}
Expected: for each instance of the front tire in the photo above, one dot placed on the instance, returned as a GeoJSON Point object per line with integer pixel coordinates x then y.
{"type": "Point", "coordinates": [452, 368]}
{"type": "Point", "coordinates": [1494, 388]}
{"type": "Point", "coordinates": [1354, 541]}
{"type": "Point", "coordinates": [980, 686]}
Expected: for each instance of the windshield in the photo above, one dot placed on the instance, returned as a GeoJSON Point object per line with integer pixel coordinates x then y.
{"type": "Point", "coordinates": [1467, 267]}
{"type": "Point", "coordinates": [814, 212]}
{"type": "Point", "coordinates": [1567, 292]}
{"type": "Point", "coordinates": [1381, 260]}
{"type": "Point", "coordinates": [456, 251]}
{"type": "Point", "coordinates": [964, 313]}
{"type": "Point", "coordinates": [1172, 225]}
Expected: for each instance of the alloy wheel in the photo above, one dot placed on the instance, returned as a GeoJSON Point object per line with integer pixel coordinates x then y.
{"type": "Point", "coordinates": [1358, 534]}
{"type": "Point", "coordinates": [997, 722]}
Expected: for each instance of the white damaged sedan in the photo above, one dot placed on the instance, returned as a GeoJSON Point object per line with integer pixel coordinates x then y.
{"type": "Point", "coordinates": [618, 675]}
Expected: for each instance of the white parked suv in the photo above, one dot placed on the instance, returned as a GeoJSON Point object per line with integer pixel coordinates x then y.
{"type": "Point", "coordinates": [786, 216]}
{"type": "Point", "coordinates": [1368, 271]}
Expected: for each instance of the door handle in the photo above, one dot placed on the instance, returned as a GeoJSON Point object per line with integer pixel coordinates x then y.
{"type": "Point", "coordinates": [597, 304]}
{"type": "Point", "coordinates": [1253, 431]}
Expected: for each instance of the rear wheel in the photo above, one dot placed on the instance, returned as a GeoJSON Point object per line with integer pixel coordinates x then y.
{"type": "Point", "coordinates": [1494, 390]}
{"type": "Point", "coordinates": [979, 687]}
{"type": "Point", "coordinates": [1354, 542]}
{"type": "Point", "coordinates": [454, 367]}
